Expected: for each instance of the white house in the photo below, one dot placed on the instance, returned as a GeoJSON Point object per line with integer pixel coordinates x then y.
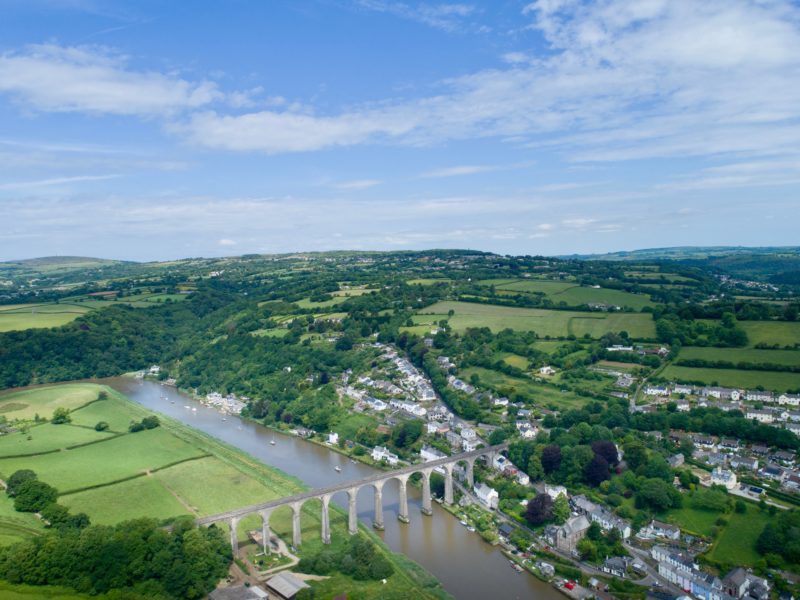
{"type": "Point", "coordinates": [487, 496]}
{"type": "Point", "coordinates": [760, 415]}
{"type": "Point", "coordinates": [429, 453]}
{"type": "Point", "coordinates": [155, 370]}
{"type": "Point", "coordinates": [654, 390]}
{"type": "Point", "coordinates": [333, 438]}
{"type": "Point", "coordinates": [380, 453]}
{"type": "Point", "coordinates": [500, 401]}
{"type": "Point", "coordinates": [547, 370]}
{"type": "Point", "coordinates": [789, 399]}
{"type": "Point", "coordinates": [658, 529]}
{"type": "Point", "coordinates": [469, 445]}
{"type": "Point", "coordinates": [723, 477]}
{"type": "Point", "coordinates": [468, 433]}
{"type": "Point", "coordinates": [554, 491]}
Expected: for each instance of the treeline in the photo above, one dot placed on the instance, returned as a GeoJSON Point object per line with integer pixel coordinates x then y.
{"type": "Point", "coordinates": [136, 556]}
{"type": "Point", "coordinates": [741, 366]}
{"type": "Point", "coordinates": [711, 421]}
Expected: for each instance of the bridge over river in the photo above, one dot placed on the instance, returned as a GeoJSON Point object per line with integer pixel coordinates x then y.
{"type": "Point", "coordinates": [352, 488]}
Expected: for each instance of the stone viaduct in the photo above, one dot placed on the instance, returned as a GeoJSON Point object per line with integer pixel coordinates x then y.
{"type": "Point", "coordinates": [352, 488]}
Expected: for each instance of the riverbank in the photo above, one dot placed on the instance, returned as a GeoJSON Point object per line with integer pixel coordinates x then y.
{"type": "Point", "coordinates": [176, 469]}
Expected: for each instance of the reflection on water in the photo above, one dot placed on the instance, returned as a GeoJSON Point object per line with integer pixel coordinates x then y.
{"type": "Point", "coordinates": [466, 566]}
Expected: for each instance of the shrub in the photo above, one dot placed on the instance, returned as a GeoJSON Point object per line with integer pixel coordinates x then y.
{"type": "Point", "coordinates": [101, 426]}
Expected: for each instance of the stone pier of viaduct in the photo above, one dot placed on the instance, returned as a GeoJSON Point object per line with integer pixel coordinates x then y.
{"type": "Point", "coordinates": [352, 488]}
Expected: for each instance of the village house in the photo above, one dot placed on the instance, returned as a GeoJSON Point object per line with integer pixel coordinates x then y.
{"type": "Point", "coordinates": [333, 438]}
{"type": "Point", "coordinates": [686, 390]}
{"type": "Point", "coordinates": [487, 496]}
{"type": "Point", "coordinates": [724, 478]}
{"type": "Point", "coordinates": [676, 460]}
{"type": "Point", "coordinates": [453, 439]}
{"type": "Point", "coordinates": [744, 463]}
{"type": "Point", "coordinates": [721, 393]}
{"type": "Point", "coordinates": [759, 396]}
{"type": "Point", "coordinates": [789, 399]}
{"type": "Point", "coordinates": [547, 370]}
{"type": "Point", "coordinates": [658, 529]}
{"type": "Point", "coordinates": [784, 457]}
{"type": "Point", "coordinates": [436, 428]}
{"type": "Point", "coordinates": [729, 445]}
{"type": "Point", "coordinates": [760, 415]}
{"type": "Point", "coordinates": [566, 537]}
{"type": "Point", "coordinates": [554, 491]}
{"type": "Point", "coordinates": [616, 566]}
{"type": "Point", "coordinates": [429, 453]}
{"type": "Point", "coordinates": [654, 390]}
{"type": "Point", "coordinates": [381, 453]}
{"type": "Point", "coordinates": [682, 405]}
{"type": "Point", "coordinates": [773, 472]}
{"type": "Point", "coordinates": [470, 445]}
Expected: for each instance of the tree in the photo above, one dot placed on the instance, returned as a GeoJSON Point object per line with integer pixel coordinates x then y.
{"type": "Point", "coordinates": [635, 455]}
{"type": "Point", "coordinates": [34, 495]}
{"type": "Point", "coordinates": [60, 416]}
{"type": "Point", "coordinates": [17, 479]}
{"type": "Point", "coordinates": [539, 510]}
{"type": "Point", "coordinates": [561, 509]}
{"type": "Point", "coordinates": [658, 495]}
{"type": "Point", "coordinates": [597, 471]}
{"type": "Point", "coordinates": [101, 426]}
{"type": "Point", "coordinates": [587, 550]}
{"type": "Point", "coordinates": [606, 449]}
{"type": "Point", "coordinates": [150, 422]}
{"type": "Point", "coordinates": [551, 459]}
{"type": "Point", "coordinates": [498, 436]}
{"type": "Point", "coordinates": [741, 507]}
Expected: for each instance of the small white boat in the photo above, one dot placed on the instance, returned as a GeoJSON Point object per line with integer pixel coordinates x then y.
{"type": "Point", "coordinates": [173, 402]}
{"type": "Point", "coordinates": [337, 468]}
{"type": "Point", "coordinates": [224, 419]}
{"type": "Point", "coordinates": [464, 523]}
{"type": "Point", "coordinates": [194, 409]}
{"type": "Point", "coordinates": [272, 443]}
{"type": "Point", "coordinates": [471, 528]}
{"type": "Point", "coordinates": [186, 406]}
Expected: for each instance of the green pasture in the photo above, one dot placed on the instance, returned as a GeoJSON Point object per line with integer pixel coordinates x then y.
{"type": "Point", "coordinates": [25, 404]}
{"type": "Point", "coordinates": [307, 303]}
{"type": "Point", "coordinates": [9, 591]}
{"type": "Point", "coordinates": [692, 520]}
{"type": "Point", "coordinates": [540, 394]}
{"type": "Point", "coordinates": [118, 414]}
{"type": "Point", "coordinates": [17, 317]}
{"type": "Point", "coordinates": [554, 323]}
{"type": "Point", "coordinates": [276, 332]}
{"type": "Point", "coordinates": [736, 543]}
{"type": "Point", "coordinates": [104, 462]}
{"type": "Point", "coordinates": [772, 380]}
{"type": "Point", "coordinates": [574, 294]}
{"type": "Point", "coordinates": [140, 497]}
{"type": "Point", "coordinates": [46, 438]}
{"type": "Point", "coordinates": [515, 360]}
{"type": "Point", "coordinates": [430, 281]}
{"type": "Point", "coordinates": [742, 355]}
{"type": "Point", "coordinates": [782, 333]}
{"type": "Point", "coordinates": [16, 526]}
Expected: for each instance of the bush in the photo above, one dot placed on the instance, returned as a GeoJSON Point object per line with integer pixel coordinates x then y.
{"type": "Point", "coordinates": [101, 426]}
{"type": "Point", "coordinates": [34, 495]}
{"type": "Point", "coordinates": [17, 479]}
{"type": "Point", "coordinates": [60, 416]}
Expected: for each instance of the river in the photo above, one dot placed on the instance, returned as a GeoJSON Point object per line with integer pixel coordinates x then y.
{"type": "Point", "coordinates": [466, 566]}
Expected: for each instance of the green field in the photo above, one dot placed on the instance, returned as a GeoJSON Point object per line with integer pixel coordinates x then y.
{"type": "Point", "coordinates": [43, 401]}
{"type": "Point", "coordinates": [90, 465]}
{"type": "Point", "coordinates": [430, 281]}
{"type": "Point", "coordinates": [573, 294]}
{"type": "Point", "coordinates": [553, 323]}
{"type": "Point", "coordinates": [736, 544]}
{"type": "Point", "coordinates": [277, 332]}
{"type": "Point", "coordinates": [692, 520]}
{"type": "Point", "coordinates": [742, 355]}
{"type": "Point", "coordinates": [772, 380]}
{"type": "Point", "coordinates": [117, 414]}
{"type": "Point", "coordinates": [10, 591]}
{"type": "Point", "coordinates": [16, 317]}
{"type": "Point", "coordinates": [46, 438]}
{"type": "Point", "coordinates": [307, 303]}
{"type": "Point", "coordinates": [515, 360]}
{"type": "Point", "coordinates": [541, 394]}
{"type": "Point", "coordinates": [782, 333]}
{"type": "Point", "coordinates": [112, 503]}
{"type": "Point", "coordinates": [16, 526]}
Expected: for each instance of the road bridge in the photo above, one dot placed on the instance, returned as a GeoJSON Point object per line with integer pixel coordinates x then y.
{"type": "Point", "coordinates": [376, 481]}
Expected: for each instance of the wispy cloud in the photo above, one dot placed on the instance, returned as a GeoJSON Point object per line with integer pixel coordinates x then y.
{"type": "Point", "coordinates": [445, 16]}
{"type": "Point", "coordinates": [622, 80]}
{"type": "Point", "coordinates": [48, 77]}
{"type": "Point", "coordinates": [459, 170]}
{"type": "Point", "coordinates": [40, 183]}
{"type": "Point", "coordinates": [357, 184]}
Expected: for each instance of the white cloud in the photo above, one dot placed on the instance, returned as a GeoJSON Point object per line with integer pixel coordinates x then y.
{"type": "Point", "coordinates": [459, 170]}
{"type": "Point", "coordinates": [357, 184]}
{"type": "Point", "coordinates": [53, 78]}
{"type": "Point", "coordinates": [54, 181]}
{"type": "Point", "coordinates": [446, 16]}
{"type": "Point", "coordinates": [622, 80]}
{"type": "Point", "coordinates": [226, 242]}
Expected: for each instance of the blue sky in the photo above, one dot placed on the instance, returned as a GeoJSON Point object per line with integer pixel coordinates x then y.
{"type": "Point", "coordinates": [154, 130]}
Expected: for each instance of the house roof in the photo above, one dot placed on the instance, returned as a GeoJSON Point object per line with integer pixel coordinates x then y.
{"type": "Point", "coordinates": [286, 585]}
{"type": "Point", "coordinates": [239, 592]}
{"type": "Point", "coordinates": [576, 525]}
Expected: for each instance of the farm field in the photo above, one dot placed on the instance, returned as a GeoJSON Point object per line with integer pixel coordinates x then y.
{"type": "Point", "coordinates": [736, 543]}
{"type": "Point", "coordinates": [772, 332]}
{"type": "Point", "coordinates": [276, 332]}
{"type": "Point", "coordinates": [16, 317]}
{"type": "Point", "coordinates": [551, 323]}
{"type": "Point", "coordinates": [117, 414]}
{"type": "Point", "coordinates": [430, 281]}
{"type": "Point", "coordinates": [515, 360]}
{"type": "Point", "coordinates": [573, 294]}
{"type": "Point", "coordinates": [25, 404]}
{"type": "Point", "coordinates": [47, 438]}
{"type": "Point", "coordinates": [692, 520]}
{"type": "Point", "coordinates": [542, 395]}
{"type": "Point", "coordinates": [90, 465]}
{"type": "Point", "coordinates": [16, 526]}
{"type": "Point", "coordinates": [772, 380]}
{"type": "Point", "coordinates": [112, 503]}
{"type": "Point", "coordinates": [307, 303]}
{"type": "Point", "coordinates": [742, 355]}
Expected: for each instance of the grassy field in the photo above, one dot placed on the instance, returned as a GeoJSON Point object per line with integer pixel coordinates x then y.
{"type": "Point", "coordinates": [47, 438]}
{"type": "Point", "coordinates": [43, 401]}
{"type": "Point", "coordinates": [270, 332]}
{"type": "Point", "coordinates": [427, 281]}
{"type": "Point", "coordinates": [692, 520]}
{"type": "Point", "coordinates": [117, 414]}
{"type": "Point", "coordinates": [771, 380]}
{"type": "Point", "coordinates": [736, 544]}
{"type": "Point", "coordinates": [16, 317]}
{"type": "Point", "coordinates": [541, 395]}
{"type": "Point", "coordinates": [515, 360]}
{"type": "Point", "coordinates": [772, 332]}
{"type": "Point", "coordinates": [112, 503]}
{"type": "Point", "coordinates": [573, 294]}
{"type": "Point", "coordinates": [552, 323]}
{"type": "Point", "coordinates": [91, 465]}
{"type": "Point", "coordinates": [10, 591]}
{"type": "Point", "coordinates": [743, 355]}
{"type": "Point", "coordinates": [307, 303]}
{"type": "Point", "coordinates": [15, 526]}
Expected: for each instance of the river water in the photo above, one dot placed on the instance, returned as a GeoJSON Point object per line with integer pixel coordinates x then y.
{"type": "Point", "coordinates": [466, 566]}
